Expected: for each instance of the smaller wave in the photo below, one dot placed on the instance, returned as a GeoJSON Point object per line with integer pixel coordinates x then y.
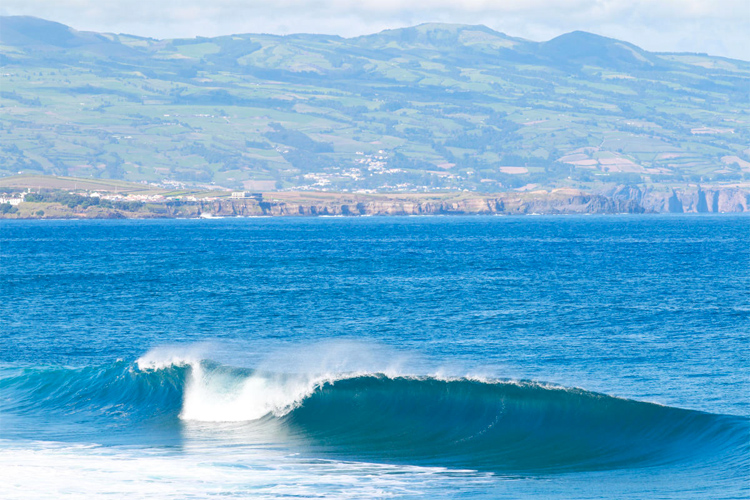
{"type": "Point", "coordinates": [115, 391]}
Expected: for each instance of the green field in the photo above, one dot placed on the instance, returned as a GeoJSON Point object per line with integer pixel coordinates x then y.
{"type": "Point", "coordinates": [72, 183]}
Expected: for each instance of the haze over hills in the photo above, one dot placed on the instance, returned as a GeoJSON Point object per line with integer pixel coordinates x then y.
{"type": "Point", "coordinates": [432, 107]}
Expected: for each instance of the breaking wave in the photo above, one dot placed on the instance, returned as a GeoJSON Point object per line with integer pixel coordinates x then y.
{"type": "Point", "coordinates": [496, 425]}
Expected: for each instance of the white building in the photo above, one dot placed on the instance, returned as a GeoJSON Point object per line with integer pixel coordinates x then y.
{"type": "Point", "coordinates": [11, 201]}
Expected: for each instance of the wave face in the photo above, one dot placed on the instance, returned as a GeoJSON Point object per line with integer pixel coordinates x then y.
{"type": "Point", "coordinates": [494, 425]}
{"type": "Point", "coordinates": [508, 426]}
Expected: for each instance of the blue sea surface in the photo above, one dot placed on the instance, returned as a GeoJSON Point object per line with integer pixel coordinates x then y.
{"type": "Point", "coordinates": [407, 357]}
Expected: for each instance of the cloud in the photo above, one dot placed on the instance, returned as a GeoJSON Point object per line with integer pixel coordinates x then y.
{"type": "Point", "coordinates": [661, 25]}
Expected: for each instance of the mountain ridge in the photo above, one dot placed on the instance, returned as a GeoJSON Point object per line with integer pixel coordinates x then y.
{"type": "Point", "coordinates": [19, 30]}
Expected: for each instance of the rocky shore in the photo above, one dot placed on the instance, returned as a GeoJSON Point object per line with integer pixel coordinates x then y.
{"type": "Point", "coordinates": [562, 201]}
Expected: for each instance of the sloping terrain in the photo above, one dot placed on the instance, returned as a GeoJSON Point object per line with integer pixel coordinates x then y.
{"type": "Point", "coordinates": [424, 108]}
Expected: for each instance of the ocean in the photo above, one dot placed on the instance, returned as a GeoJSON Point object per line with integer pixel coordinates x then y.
{"type": "Point", "coordinates": [398, 357]}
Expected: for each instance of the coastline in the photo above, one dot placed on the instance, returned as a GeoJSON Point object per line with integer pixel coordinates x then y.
{"type": "Point", "coordinates": [621, 200]}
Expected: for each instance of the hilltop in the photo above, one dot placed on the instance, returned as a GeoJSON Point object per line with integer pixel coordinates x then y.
{"type": "Point", "coordinates": [427, 108]}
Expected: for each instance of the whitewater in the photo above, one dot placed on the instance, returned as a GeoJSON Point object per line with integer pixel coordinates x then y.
{"type": "Point", "coordinates": [574, 357]}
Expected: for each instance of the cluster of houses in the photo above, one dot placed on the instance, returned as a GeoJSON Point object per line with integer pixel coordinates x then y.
{"type": "Point", "coordinates": [17, 198]}
{"type": "Point", "coordinates": [150, 198]}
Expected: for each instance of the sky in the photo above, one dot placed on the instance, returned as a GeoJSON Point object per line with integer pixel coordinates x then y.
{"type": "Point", "coordinates": [717, 27]}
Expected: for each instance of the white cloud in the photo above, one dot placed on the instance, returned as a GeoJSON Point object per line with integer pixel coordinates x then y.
{"type": "Point", "coordinates": [717, 27]}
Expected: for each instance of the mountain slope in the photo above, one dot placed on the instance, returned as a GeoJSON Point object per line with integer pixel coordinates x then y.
{"type": "Point", "coordinates": [429, 107]}
{"type": "Point", "coordinates": [579, 49]}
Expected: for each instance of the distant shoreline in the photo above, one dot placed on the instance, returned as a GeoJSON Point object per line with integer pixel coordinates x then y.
{"type": "Point", "coordinates": [429, 216]}
{"type": "Point", "coordinates": [623, 200]}
{"type": "Point", "coordinates": [48, 197]}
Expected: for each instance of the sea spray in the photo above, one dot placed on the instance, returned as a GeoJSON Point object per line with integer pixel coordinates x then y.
{"type": "Point", "coordinates": [220, 395]}
{"type": "Point", "coordinates": [217, 393]}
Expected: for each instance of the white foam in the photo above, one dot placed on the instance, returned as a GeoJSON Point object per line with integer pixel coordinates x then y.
{"type": "Point", "coordinates": [48, 470]}
{"type": "Point", "coordinates": [220, 396]}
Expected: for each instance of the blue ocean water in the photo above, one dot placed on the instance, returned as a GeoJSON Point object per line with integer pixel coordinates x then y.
{"type": "Point", "coordinates": [415, 357]}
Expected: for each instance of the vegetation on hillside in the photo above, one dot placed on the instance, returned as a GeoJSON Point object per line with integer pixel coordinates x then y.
{"type": "Point", "coordinates": [425, 108]}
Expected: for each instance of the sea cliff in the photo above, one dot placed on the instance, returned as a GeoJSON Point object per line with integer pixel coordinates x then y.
{"type": "Point", "coordinates": [561, 201]}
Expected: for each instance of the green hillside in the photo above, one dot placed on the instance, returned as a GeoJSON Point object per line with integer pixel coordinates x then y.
{"type": "Point", "coordinates": [431, 107]}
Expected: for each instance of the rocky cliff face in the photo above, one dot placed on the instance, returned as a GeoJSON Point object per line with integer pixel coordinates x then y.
{"type": "Point", "coordinates": [556, 202]}
{"type": "Point", "coordinates": [687, 200]}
